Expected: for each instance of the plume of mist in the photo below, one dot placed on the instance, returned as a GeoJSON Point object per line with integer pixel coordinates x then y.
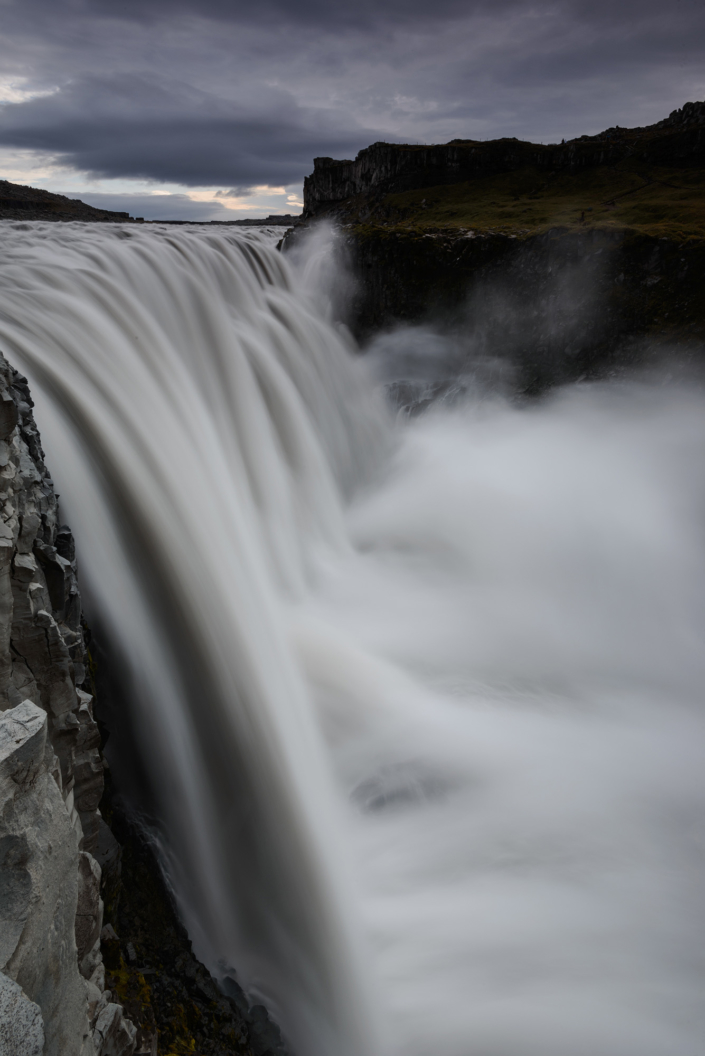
{"type": "Point", "coordinates": [321, 258]}
{"type": "Point", "coordinates": [539, 319]}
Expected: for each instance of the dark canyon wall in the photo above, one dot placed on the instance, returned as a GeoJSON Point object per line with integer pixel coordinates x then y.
{"type": "Point", "coordinates": [559, 305]}
{"type": "Point", "coordinates": [565, 260]}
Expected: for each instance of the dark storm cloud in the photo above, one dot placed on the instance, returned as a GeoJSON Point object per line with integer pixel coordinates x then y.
{"type": "Point", "coordinates": [235, 93]}
{"type": "Point", "coordinates": [321, 13]}
{"type": "Point", "coordinates": [325, 13]}
{"type": "Point", "coordinates": [626, 17]}
{"type": "Point", "coordinates": [131, 126]}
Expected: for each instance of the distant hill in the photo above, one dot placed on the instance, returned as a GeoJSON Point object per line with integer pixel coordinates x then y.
{"type": "Point", "coordinates": [29, 203]}
{"type": "Point", "coordinates": [284, 220]}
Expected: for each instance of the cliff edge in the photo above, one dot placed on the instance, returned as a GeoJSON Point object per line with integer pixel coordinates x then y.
{"type": "Point", "coordinates": [565, 260]}
{"type": "Point", "coordinates": [618, 177]}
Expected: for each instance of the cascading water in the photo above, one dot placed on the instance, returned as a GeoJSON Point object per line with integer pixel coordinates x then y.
{"type": "Point", "coordinates": [205, 424]}
{"type": "Point", "coordinates": [424, 701]}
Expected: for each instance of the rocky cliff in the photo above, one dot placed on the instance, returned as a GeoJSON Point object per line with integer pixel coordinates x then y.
{"type": "Point", "coordinates": [561, 260]}
{"type": "Point", "coordinates": [389, 168]}
{"type": "Point", "coordinates": [52, 987]}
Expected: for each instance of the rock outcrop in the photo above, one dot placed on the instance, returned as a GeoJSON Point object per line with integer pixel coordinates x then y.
{"type": "Point", "coordinates": [386, 168]}
{"type": "Point", "coordinates": [51, 770]}
{"type": "Point", "coordinates": [42, 890]}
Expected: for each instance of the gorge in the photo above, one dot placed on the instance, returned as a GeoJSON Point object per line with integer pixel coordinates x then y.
{"type": "Point", "coordinates": [402, 664]}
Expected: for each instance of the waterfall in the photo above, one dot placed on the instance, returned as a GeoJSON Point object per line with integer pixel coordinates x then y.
{"type": "Point", "coordinates": [207, 425]}
{"type": "Point", "coordinates": [422, 698]}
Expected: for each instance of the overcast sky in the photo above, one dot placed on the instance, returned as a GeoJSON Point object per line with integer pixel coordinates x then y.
{"type": "Point", "coordinates": [209, 109]}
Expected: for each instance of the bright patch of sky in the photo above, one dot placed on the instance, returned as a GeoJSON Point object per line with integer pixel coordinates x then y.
{"type": "Point", "coordinates": [167, 201]}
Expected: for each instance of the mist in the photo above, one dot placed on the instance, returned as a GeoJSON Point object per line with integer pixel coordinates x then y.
{"type": "Point", "coordinates": [509, 672]}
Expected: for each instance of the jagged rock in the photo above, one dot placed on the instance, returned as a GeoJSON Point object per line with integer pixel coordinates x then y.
{"type": "Point", "coordinates": [41, 640]}
{"type": "Point", "coordinates": [113, 1034]}
{"type": "Point", "coordinates": [21, 1026]}
{"type": "Point", "coordinates": [51, 770]}
{"type": "Point", "coordinates": [39, 887]}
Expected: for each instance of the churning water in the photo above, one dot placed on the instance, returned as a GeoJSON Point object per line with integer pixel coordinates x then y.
{"type": "Point", "coordinates": [424, 698]}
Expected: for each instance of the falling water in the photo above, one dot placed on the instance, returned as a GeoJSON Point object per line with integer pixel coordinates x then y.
{"type": "Point", "coordinates": [423, 700]}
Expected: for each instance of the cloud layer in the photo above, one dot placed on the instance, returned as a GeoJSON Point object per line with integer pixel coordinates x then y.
{"type": "Point", "coordinates": [143, 126]}
{"type": "Point", "coordinates": [224, 94]}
